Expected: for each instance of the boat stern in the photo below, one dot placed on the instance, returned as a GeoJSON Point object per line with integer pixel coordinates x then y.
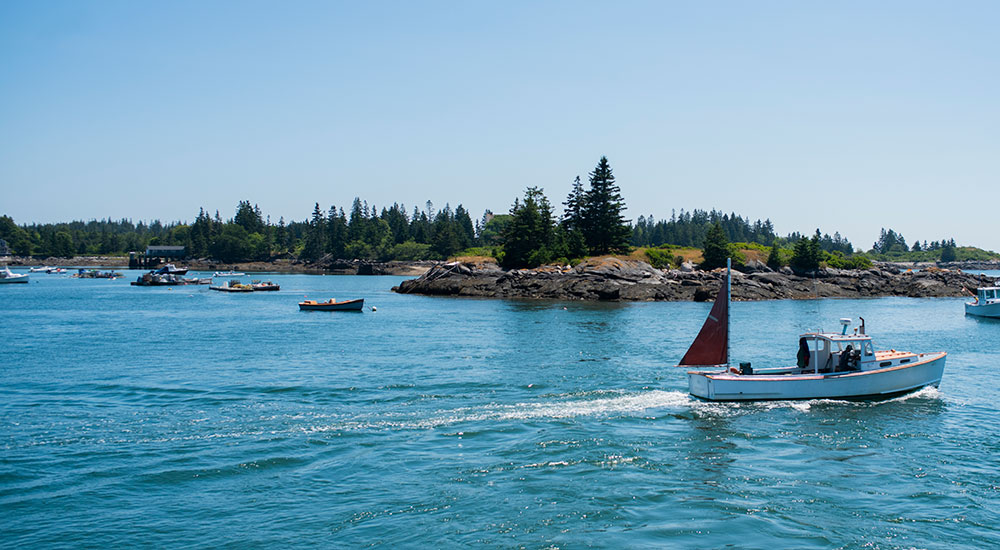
{"type": "Point", "coordinates": [700, 385]}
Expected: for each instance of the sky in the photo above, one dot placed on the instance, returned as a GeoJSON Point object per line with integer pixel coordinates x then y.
{"type": "Point", "coordinates": [841, 116]}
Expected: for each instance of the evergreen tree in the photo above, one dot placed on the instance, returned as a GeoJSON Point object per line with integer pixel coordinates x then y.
{"type": "Point", "coordinates": [715, 248]}
{"type": "Point", "coordinates": [336, 225]}
{"type": "Point", "coordinates": [315, 243]}
{"type": "Point", "coordinates": [774, 257]}
{"type": "Point", "coordinates": [528, 239]}
{"type": "Point", "coordinates": [604, 228]}
{"type": "Point", "coordinates": [948, 252]}
{"type": "Point", "coordinates": [573, 214]}
{"type": "Point", "coordinates": [806, 255]}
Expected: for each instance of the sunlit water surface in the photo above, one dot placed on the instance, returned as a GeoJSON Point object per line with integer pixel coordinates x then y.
{"type": "Point", "coordinates": [185, 418]}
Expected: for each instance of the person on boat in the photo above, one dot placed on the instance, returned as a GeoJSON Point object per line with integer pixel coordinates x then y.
{"type": "Point", "coordinates": [803, 355]}
{"type": "Point", "coordinates": [849, 359]}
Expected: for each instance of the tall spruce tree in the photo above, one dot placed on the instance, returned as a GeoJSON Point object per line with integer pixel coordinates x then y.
{"type": "Point", "coordinates": [315, 243]}
{"type": "Point", "coordinates": [604, 228]}
{"type": "Point", "coordinates": [576, 245]}
{"type": "Point", "coordinates": [528, 240]}
{"type": "Point", "coordinates": [716, 248]}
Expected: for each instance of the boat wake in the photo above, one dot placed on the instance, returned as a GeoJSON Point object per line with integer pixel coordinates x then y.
{"type": "Point", "coordinates": [618, 405]}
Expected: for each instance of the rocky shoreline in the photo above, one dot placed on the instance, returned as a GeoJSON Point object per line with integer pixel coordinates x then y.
{"type": "Point", "coordinates": [281, 265]}
{"type": "Point", "coordinates": [614, 279]}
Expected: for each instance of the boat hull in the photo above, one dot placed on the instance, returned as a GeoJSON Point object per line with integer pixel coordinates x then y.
{"type": "Point", "coordinates": [872, 384]}
{"type": "Point", "coordinates": [349, 305]}
{"type": "Point", "coordinates": [983, 310]}
{"type": "Point", "coordinates": [14, 279]}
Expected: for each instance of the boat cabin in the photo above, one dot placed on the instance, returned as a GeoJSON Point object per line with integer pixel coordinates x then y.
{"type": "Point", "coordinates": [987, 295]}
{"type": "Point", "coordinates": [827, 353]}
{"type": "Point", "coordinates": [824, 352]}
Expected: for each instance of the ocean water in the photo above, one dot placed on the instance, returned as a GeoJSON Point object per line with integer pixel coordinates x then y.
{"type": "Point", "coordinates": [177, 417]}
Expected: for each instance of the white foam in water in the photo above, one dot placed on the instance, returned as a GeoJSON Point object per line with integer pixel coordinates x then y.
{"type": "Point", "coordinates": [624, 404]}
{"type": "Point", "coordinates": [601, 406]}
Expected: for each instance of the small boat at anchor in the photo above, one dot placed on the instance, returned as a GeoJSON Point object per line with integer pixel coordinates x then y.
{"type": "Point", "coordinates": [8, 276]}
{"type": "Point", "coordinates": [233, 286]}
{"type": "Point", "coordinates": [171, 269]}
{"type": "Point", "coordinates": [264, 286]}
{"type": "Point", "coordinates": [229, 273]}
{"type": "Point", "coordinates": [987, 303]}
{"type": "Point", "coordinates": [347, 305]}
{"type": "Point", "coordinates": [841, 365]}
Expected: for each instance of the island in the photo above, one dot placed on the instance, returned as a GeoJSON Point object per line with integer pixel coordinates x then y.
{"type": "Point", "coordinates": [617, 279]}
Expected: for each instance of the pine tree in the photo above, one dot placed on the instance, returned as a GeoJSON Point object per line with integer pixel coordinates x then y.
{"type": "Point", "coordinates": [774, 258]}
{"type": "Point", "coordinates": [315, 243]}
{"type": "Point", "coordinates": [948, 252]}
{"type": "Point", "coordinates": [807, 254]}
{"type": "Point", "coordinates": [528, 240]}
{"type": "Point", "coordinates": [716, 248]}
{"type": "Point", "coordinates": [574, 207]}
{"type": "Point", "coordinates": [604, 228]}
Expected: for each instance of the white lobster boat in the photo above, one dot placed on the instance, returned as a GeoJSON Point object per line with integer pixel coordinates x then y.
{"type": "Point", "coordinates": [841, 365]}
{"type": "Point", "coordinates": [8, 276]}
{"type": "Point", "coordinates": [987, 303]}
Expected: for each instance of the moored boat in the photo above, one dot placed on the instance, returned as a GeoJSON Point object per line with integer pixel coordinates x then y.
{"type": "Point", "coordinates": [841, 365]}
{"type": "Point", "coordinates": [233, 286]}
{"type": "Point", "coordinates": [332, 305]}
{"type": "Point", "coordinates": [8, 276]}
{"type": "Point", "coordinates": [229, 273]}
{"type": "Point", "coordinates": [987, 303]}
{"type": "Point", "coordinates": [83, 273]}
{"type": "Point", "coordinates": [261, 286]}
{"type": "Point", "coordinates": [171, 269]}
{"type": "Point", "coordinates": [157, 279]}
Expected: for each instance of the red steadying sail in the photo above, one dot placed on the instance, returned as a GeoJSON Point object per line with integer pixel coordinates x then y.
{"type": "Point", "coordinates": [710, 347]}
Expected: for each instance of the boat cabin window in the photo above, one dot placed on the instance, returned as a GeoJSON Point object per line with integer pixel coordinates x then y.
{"type": "Point", "coordinates": [867, 349]}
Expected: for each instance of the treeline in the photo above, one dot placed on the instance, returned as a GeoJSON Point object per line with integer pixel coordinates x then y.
{"type": "Point", "coordinates": [106, 237]}
{"type": "Point", "coordinates": [691, 228]}
{"type": "Point", "coordinates": [532, 233]}
{"type": "Point", "coordinates": [365, 233]}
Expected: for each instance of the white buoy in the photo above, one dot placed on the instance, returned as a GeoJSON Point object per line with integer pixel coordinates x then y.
{"type": "Point", "coordinates": [374, 309]}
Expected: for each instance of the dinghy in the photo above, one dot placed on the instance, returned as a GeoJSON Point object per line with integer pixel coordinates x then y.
{"type": "Point", "coordinates": [841, 365]}
{"type": "Point", "coordinates": [347, 305]}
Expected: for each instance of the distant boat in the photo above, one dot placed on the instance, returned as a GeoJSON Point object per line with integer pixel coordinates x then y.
{"type": "Point", "coordinates": [229, 273]}
{"type": "Point", "coordinates": [987, 303]}
{"type": "Point", "coordinates": [264, 286]}
{"type": "Point", "coordinates": [830, 366]}
{"type": "Point", "coordinates": [348, 305]}
{"type": "Point", "coordinates": [8, 276]}
{"type": "Point", "coordinates": [171, 269]}
{"type": "Point", "coordinates": [233, 286]}
{"type": "Point", "coordinates": [159, 279]}
{"type": "Point", "coordinates": [95, 274]}
{"type": "Point", "coordinates": [39, 269]}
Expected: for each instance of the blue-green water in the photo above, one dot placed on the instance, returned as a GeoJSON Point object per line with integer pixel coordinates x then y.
{"type": "Point", "coordinates": [184, 418]}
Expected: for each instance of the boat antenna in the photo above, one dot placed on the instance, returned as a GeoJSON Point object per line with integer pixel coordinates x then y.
{"type": "Point", "coordinates": [729, 301]}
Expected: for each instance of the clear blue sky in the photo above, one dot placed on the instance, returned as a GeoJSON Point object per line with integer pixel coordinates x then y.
{"type": "Point", "coordinates": [846, 116]}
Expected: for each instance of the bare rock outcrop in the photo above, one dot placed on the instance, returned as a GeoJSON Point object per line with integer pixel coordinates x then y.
{"type": "Point", "coordinates": [615, 279]}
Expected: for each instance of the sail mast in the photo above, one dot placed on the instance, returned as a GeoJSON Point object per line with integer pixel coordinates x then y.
{"type": "Point", "coordinates": [729, 296]}
{"type": "Point", "coordinates": [711, 346]}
